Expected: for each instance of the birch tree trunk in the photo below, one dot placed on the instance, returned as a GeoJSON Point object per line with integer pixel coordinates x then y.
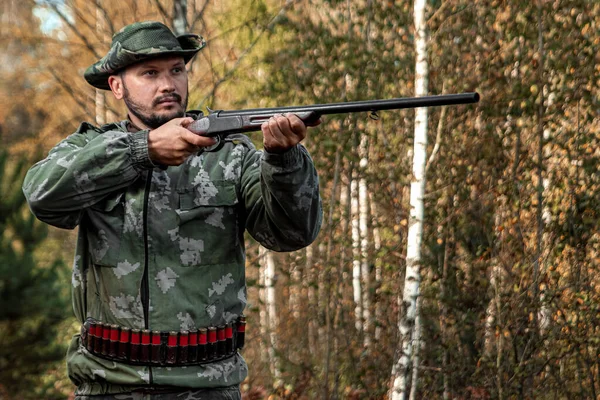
{"type": "Point", "coordinates": [378, 266]}
{"type": "Point", "coordinates": [417, 343]}
{"type": "Point", "coordinates": [333, 278]}
{"type": "Point", "coordinates": [263, 315]}
{"type": "Point", "coordinates": [363, 210]}
{"type": "Point", "coordinates": [100, 99]}
{"type": "Point", "coordinates": [408, 304]}
{"type": "Point", "coordinates": [267, 260]}
{"type": "Point", "coordinates": [313, 305]}
{"type": "Point", "coordinates": [543, 211]}
{"type": "Point", "coordinates": [295, 279]}
{"type": "Point", "coordinates": [180, 25]}
{"type": "Point", "coordinates": [356, 283]}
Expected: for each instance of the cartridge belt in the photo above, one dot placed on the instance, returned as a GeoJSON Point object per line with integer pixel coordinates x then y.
{"type": "Point", "coordinates": [163, 348]}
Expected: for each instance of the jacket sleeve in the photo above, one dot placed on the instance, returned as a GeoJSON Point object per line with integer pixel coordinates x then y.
{"type": "Point", "coordinates": [83, 169]}
{"type": "Point", "coordinates": [282, 200]}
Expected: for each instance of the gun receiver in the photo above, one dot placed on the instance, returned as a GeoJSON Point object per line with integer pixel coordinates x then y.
{"type": "Point", "coordinates": [222, 123]}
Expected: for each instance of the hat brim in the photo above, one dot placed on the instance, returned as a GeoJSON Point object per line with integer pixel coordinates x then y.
{"type": "Point", "coordinates": [119, 58]}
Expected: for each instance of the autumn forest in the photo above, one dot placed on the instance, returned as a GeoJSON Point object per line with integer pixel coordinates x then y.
{"type": "Point", "coordinates": [460, 244]}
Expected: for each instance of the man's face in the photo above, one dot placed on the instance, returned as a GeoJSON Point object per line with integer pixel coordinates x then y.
{"type": "Point", "coordinates": [155, 91]}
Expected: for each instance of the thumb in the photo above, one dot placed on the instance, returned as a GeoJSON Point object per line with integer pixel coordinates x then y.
{"type": "Point", "coordinates": [186, 121]}
{"type": "Point", "coordinates": [183, 121]}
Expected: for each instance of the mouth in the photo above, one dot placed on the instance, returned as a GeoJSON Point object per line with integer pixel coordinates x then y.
{"type": "Point", "coordinates": [168, 100]}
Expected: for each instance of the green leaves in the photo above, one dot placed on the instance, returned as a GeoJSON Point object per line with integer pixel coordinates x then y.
{"type": "Point", "coordinates": [33, 300]}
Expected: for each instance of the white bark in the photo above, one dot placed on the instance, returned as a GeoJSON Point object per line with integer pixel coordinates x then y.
{"type": "Point", "coordinates": [180, 25]}
{"type": "Point", "coordinates": [100, 99]}
{"type": "Point", "coordinates": [346, 216]}
{"type": "Point", "coordinates": [262, 294]}
{"type": "Point", "coordinates": [544, 313]}
{"type": "Point", "coordinates": [322, 301]}
{"type": "Point", "coordinates": [295, 303]}
{"type": "Point", "coordinates": [356, 284]}
{"type": "Point", "coordinates": [271, 319]}
{"type": "Point", "coordinates": [408, 303]}
{"type": "Point", "coordinates": [491, 312]}
{"type": "Point", "coordinates": [100, 104]}
{"type": "Point", "coordinates": [378, 264]}
{"type": "Point", "coordinates": [312, 300]}
{"type": "Point", "coordinates": [415, 361]}
{"type": "Point", "coordinates": [363, 209]}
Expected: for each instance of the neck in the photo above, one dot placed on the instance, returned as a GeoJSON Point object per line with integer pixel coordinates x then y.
{"type": "Point", "coordinates": [136, 122]}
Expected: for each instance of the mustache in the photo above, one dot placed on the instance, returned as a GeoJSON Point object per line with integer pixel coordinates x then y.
{"type": "Point", "coordinates": [167, 97]}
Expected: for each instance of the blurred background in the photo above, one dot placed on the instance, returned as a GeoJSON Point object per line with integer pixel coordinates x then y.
{"type": "Point", "coordinates": [509, 304]}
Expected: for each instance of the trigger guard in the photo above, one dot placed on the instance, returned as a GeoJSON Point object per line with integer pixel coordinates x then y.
{"type": "Point", "coordinates": [215, 147]}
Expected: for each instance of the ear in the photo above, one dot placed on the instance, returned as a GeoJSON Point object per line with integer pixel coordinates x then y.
{"type": "Point", "coordinates": [116, 86]}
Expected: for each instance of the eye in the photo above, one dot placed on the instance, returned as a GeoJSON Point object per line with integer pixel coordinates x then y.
{"type": "Point", "coordinates": [150, 72]}
{"type": "Point", "coordinates": [177, 70]}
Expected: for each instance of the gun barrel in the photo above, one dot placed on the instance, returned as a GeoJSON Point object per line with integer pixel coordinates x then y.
{"type": "Point", "coordinates": [368, 105]}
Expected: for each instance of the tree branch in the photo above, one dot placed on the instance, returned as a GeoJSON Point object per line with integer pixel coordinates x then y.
{"type": "Point", "coordinates": [67, 87]}
{"type": "Point", "coordinates": [199, 16]}
{"type": "Point", "coordinates": [107, 18]}
{"type": "Point", "coordinates": [83, 38]}
{"type": "Point", "coordinates": [163, 12]}
{"type": "Point", "coordinates": [288, 4]}
{"type": "Point", "coordinates": [438, 136]}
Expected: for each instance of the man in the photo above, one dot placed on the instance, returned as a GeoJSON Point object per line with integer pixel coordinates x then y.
{"type": "Point", "coordinates": [158, 276]}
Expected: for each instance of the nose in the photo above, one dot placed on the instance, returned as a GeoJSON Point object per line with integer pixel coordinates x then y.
{"type": "Point", "coordinates": [166, 84]}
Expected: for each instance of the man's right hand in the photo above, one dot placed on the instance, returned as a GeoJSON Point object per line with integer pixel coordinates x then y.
{"type": "Point", "coordinates": [172, 143]}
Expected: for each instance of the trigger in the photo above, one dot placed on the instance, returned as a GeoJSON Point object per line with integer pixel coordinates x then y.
{"type": "Point", "coordinates": [216, 146]}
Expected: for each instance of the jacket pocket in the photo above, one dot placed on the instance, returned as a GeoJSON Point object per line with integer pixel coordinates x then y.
{"type": "Point", "coordinates": [104, 229]}
{"type": "Point", "coordinates": [208, 225]}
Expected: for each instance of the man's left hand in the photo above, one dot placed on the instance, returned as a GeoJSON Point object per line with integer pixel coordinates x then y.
{"type": "Point", "coordinates": [282, 132]}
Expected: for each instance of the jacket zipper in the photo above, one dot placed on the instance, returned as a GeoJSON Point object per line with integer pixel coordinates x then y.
{"type": "Point", "coordinates": [145, 289]}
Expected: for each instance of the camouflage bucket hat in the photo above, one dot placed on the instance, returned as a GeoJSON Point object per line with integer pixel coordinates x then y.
{"type": "Point", "coordinates": [137, 42]}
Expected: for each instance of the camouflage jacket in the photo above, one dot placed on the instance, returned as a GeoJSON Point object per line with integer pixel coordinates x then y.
{"type": "Point", "coordinates": [163, 249]}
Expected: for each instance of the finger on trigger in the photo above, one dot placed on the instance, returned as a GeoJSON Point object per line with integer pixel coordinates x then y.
{"type": "Point", "coordinates": [198, 140]}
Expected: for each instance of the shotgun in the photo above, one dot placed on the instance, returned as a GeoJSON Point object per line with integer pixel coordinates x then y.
{"type": "Point", "coordinates": [222, 123]}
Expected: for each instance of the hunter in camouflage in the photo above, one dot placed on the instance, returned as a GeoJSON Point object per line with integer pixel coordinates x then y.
{"type": "Point", "coordinates": [161, 215]}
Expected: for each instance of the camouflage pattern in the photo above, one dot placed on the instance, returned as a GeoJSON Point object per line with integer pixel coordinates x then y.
{"type": "Point", "coordinates": [183, 226]}
{"type": "Point", "coordinates": [140, 41]}
{"type": "Point", "coordinates": [215, 394]}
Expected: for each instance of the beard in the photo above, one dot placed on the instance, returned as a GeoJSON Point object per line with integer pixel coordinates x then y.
{"type": "Point", "coordinates": [145, 114]}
